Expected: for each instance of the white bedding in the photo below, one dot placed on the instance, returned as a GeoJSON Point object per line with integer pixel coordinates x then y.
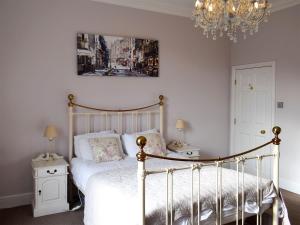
{"type": "Point", "coordinates": [82, 169]}
{"type": "Point", "coordinates": [111, 189]}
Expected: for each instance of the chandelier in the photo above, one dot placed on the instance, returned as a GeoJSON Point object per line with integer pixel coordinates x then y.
{"type": "Point", "coordinates": [228, 17]}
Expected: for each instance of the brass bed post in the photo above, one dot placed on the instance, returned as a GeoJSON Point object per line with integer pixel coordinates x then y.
{"type": "Point", "coordinates": [161, 112]}
{"type": "Point", "coordinates": [71, 187]}
{"type": "Point", "coordinates": [276, 142]}
{"type": "Point", "coordinates": [141, 157]}
{"type": "Point", "coordinates": [70, 112]}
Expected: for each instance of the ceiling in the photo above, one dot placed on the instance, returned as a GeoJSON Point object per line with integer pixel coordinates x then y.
{"type": "Point", "coordinates": [182, 7]}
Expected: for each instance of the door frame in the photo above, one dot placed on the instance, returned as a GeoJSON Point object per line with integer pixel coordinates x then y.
{"type": "Point", "coordinates": [233, 96]}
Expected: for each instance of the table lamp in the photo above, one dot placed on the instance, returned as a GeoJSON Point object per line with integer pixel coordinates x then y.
{"type": "Point", "coordinates": [50, 133]}
{"type": "Point", "coordinates": [180, 125]}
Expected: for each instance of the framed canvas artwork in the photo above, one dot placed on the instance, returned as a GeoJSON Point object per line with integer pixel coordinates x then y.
{"type": "Point", "coordinates": [102, 55]}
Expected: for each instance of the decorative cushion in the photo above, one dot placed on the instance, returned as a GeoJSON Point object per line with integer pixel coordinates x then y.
{"type": "Point", "coordinates": [82, 147]}
{"type": "Point", "coordinates": [106, 149]}
{"type": "Point", "coordinates": [155, 143]}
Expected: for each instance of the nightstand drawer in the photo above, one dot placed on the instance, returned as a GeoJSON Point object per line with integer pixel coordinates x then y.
{"type": "Point", "coordinates": [190, 153]}
{"type": "Point", "coordinates": [186, 151]}
{"type": "Point", "coordinates": [51, 171]}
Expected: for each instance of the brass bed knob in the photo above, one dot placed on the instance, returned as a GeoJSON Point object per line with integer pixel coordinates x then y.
{"type": "Point", "coordinates": [141, 141]}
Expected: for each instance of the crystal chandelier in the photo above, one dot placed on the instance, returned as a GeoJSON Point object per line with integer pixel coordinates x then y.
{"type": "Point", "coordinates": [228, 17]}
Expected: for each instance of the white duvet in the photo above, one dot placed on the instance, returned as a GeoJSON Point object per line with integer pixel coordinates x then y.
{"type": "Point", "coordinates": [111, 194]}
{"type": "Point", "coordinates": [82, 169]}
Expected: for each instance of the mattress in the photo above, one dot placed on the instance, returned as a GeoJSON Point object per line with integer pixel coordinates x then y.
{"type": "Point", "coordinates": [110, 189]}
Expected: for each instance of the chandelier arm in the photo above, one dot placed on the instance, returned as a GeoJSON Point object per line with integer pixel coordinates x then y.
{"type": "Point", "coordinates": [247, 16]}
{"type": "Point", "coordinates": [262, 17]}
{"type": "Point", "coordinates": [238, 9]}
{"type": "Point", "coordinates": [204, 17]}
{"type": "Point", "coordinates": [258, 21]}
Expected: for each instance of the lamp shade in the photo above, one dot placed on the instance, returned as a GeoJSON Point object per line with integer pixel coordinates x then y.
{"type": "Point", "coordinates": [50, 132]}
{"type": "Point", "coordinates": [180, 124]}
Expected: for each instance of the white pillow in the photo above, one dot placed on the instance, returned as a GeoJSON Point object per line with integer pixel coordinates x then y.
{"type": "Point", "coordinates": [155, 143]}
{"type": "Point", "coordinates": [82, 147]}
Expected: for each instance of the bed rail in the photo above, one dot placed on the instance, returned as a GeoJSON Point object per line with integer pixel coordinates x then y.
{"type": "Point", "coordinates": [238, 159]}
{"type": "Point", "coordinates": [72, 103]}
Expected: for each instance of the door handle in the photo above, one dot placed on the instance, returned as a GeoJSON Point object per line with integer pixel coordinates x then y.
{"type": "Point", "coordinates": [262, 131]}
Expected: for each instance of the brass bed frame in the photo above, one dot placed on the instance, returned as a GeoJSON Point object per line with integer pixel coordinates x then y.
{"type": "Point", "coordinates": [197, 164]}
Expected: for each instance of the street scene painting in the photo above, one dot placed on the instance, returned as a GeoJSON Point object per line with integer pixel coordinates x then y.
{"type": "Point", "coordinates": [102, 55]}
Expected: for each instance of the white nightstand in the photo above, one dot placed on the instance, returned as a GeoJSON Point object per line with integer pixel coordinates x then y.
{"type": "Point", "coordinates": [186, 150]}
{"type": "Point", "coordinates": [50, 186]}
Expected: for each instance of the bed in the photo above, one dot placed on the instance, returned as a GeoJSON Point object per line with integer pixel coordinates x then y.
{"type": "Point", "coordinates": [176, 190]}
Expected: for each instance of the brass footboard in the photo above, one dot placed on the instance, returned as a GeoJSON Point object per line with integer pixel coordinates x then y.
{"type": "Point", "coordinates": [238, 159]}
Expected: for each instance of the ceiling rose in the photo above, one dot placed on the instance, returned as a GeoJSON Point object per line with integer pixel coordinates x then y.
{"type": "Point", "coordinates": [229, 17]}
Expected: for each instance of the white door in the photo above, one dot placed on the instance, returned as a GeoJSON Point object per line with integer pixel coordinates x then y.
{"type": "Point", "coordinates": [253, 111]}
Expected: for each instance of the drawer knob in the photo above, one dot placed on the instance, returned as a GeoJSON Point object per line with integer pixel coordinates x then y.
{"type": "Point", "coordinates": [48, 171]}
{"type": "Point", "coordinates": [40, 192]}
{"type": "Point", "coordinates": [189, 153]}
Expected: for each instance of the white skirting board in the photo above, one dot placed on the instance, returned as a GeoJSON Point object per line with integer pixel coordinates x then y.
{"type": "Point", "coordinates": [290, 185]}
{"type": "Point", "coordinates": [10, 201]}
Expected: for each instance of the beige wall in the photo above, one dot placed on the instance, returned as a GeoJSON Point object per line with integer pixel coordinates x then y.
{"type": "Point", "coordinates": [38, 70]}
{"type": "Point", "coordinates": [278, 41]}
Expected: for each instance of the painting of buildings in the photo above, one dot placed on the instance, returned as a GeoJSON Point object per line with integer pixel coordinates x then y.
{"type": "Point", "coordinates": [99, 55]}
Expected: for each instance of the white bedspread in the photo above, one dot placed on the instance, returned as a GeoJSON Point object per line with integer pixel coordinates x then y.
{"type": "Point", "coordinates": [111, 194]}
{"type": "Point", "coordinates": [82, 169]}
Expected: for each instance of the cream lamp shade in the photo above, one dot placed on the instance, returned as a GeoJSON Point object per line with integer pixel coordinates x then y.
{"type": "Point", "coordinates": [50, 132]}
{"type": "Point", "coordinates": [180, 124]}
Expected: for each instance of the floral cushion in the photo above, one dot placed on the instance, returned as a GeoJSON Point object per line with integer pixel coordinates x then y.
{"type": "Point", "coordinates": [155, 145]}
{"type": "Point", "coordinates": [106, 149]}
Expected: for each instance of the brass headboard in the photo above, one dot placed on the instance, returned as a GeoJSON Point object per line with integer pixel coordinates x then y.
{"type": "Point", "coordinates": [135, 114]}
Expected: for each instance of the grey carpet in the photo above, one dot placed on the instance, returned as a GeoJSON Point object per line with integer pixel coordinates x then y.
{"type": "Point", "coordinates": [23, 216]}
